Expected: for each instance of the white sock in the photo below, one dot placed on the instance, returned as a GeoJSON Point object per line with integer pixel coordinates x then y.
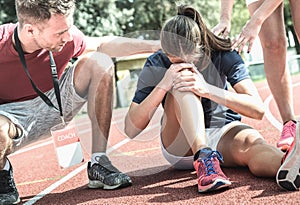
{"type": "Point", "coordinates": [95, 155]}
{"type": "Point", "coordinates": [6, 166]}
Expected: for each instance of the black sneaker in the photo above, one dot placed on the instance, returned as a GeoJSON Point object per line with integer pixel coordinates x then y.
{"type": "Point", "coordinates": [104, 175]}
{"type": "Point", "coordinates": [8, 191]}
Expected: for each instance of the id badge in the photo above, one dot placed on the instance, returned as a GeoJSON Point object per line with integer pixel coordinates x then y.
{"type": "Point", "coordinates": [67, 144]}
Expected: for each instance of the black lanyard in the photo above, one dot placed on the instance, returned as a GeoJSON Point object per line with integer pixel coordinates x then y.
{"type": "Point", "coordinates": [53, 71]}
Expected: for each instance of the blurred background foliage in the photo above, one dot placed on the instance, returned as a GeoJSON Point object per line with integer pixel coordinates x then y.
{"type": "Point", "coordinates": [124, 17]}
{"type": "Point", "coordinates": [120, 17]}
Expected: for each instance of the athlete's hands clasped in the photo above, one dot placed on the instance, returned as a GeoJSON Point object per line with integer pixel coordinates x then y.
{"type": "Point", "coordinates": [191, 80]}
{"type": "Point", "coordinates": [186, 78]}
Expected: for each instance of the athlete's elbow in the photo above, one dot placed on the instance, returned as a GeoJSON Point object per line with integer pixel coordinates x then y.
{"type": "Point", "coordinates": [129, 129]}
{"type": "Point", "coordinates": [129, 133]}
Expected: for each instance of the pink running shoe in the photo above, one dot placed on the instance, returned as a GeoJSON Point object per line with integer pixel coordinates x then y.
{"type": "Point", "coordinates": [287, 136]}
{"type": "Point", "coordinates": [288, 175]}
{"type": "Point", "coordinates": [209, 174]}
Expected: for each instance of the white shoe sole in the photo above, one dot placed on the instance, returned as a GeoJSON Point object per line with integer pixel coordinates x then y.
{"type": "Point", "coordinates": [288, 175]}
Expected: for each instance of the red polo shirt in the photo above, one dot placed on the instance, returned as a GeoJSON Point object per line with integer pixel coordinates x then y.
{"type": "Point", "coordinates": [15, 85]}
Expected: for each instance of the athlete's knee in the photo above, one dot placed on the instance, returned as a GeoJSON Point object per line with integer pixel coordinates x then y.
{"type": "Point", "coordinates": [245, 144]}
{"type": "Point", "coordinates": [252, 140]}
{"type": "Point", "coordinates": [185, 95]}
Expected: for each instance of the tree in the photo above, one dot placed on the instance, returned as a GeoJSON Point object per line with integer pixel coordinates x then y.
{"type": "Point", "coordinates": [7, 12]}
{"type": "Point", "coordinates": [240, 15]}
{"type": "Point", "coordinates": [98, 17]}
{"type": "Point", "coordinates": [290, 27]}
{"type": "Point", "coordinates": [150, 15]}
{"type": "Point", "coordinates": [121, 17]}
{"type": "Point", "coordinates": [134, 18]}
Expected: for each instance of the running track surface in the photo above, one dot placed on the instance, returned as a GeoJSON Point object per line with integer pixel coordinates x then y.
{"type": "Point", "coordinates": [40, 180]}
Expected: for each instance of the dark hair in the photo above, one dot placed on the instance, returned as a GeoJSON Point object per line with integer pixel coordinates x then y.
{"type": "Point", "coordinates": [186, 33]}
{"type": "Point", "coordinates": [36, 11]}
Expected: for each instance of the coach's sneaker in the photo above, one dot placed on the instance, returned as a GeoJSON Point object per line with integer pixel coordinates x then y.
{"type": "Point", "coordinates": [8, 191]}
{"type": "Point", "coordinates": [209, 174]}
{"type": "Point", "coordinates": [287, 136]}
{"type": "Point", "coordinates": [288, 175]}
{"type": "Point", "coordinates": [104, 175]}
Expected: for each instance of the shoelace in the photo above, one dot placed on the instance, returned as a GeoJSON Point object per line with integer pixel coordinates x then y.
{"type": "Point", "coordinates": [98, 167]}
{"type": "Point", "coordinates": [105, 162]}
{"type": "Point", "coordinates": [208, 162]}
{"type": "Point", "coordinates": [287, 130]}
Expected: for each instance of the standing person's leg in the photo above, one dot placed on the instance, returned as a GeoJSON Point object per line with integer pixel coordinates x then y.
{"type": "Point", "coordinates": [184, 142]}
{"type": "Point", "coordinates": [273, 41]}
{"type": "Point", "coordinates": [93, 78]}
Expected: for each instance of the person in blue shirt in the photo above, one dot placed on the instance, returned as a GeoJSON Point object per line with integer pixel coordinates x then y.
{"type": "Point", "coordinates": [205, 88]}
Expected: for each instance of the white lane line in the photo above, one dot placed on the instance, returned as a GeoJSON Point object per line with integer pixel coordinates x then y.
{"type": "Point", "coordinates": [55, 185]}
{"type": "Point", "coordinates": [77, 170]}
{"type": "Point", "coordinates": [31, 148]}
{"type": "Point", "coordinates": [116, 146]}
{"type": "Point", "coordinates": [81, 132]}
{"type": "Point", "coordinates": [69, 176]}
{"type": "Point", "coordinates": [26, 149]}
{"type": "Point", "coordinates": [269, 115]}
{"type": "Point", "coordinates": [79, 121]}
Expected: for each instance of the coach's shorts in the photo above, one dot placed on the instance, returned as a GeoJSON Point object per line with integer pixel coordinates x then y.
{"type": "Point", "coordinates": [35, 118]}
{"type": "Point", "coordinates": [248, 2]}
{"type": "Point", "coordinates": [213, 136]}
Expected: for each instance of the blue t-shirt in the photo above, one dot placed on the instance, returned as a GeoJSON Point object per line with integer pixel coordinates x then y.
{"type": "Point", "coordinates": [225, 67]}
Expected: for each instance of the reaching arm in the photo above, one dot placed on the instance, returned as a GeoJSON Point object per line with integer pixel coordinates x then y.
{"type": "Point", "coordinates": [252, 28]}
{"type": "Point", "coordinates": [223, 27]}
{"type": "Point", "coordinates": [116, 46]}
{"type": "Point", "coordinates": [244, 100]}
{"type": "Point", "coordinates": [265, 10]}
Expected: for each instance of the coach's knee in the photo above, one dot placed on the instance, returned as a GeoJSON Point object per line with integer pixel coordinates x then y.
{"type": "Point", "coordinates": [274, 45]}
{"type": "Point", "coordinates": [7, 128]}
{"type": "Point", "coordinates": [7, 132]}
{"type": "Point", "coordinates": [99, 63]}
